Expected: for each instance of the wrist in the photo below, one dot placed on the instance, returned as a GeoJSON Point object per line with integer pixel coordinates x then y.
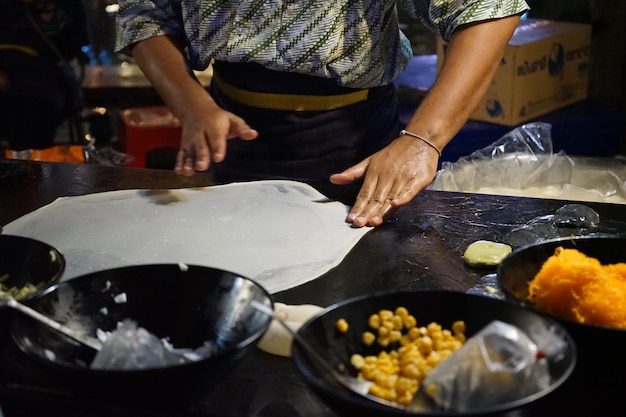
{"type": "Point", "coordinates": [427, 141]}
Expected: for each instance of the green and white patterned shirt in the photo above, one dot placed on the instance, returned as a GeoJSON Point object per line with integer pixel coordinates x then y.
{"type": "Point", "coordinates": [356, 42]}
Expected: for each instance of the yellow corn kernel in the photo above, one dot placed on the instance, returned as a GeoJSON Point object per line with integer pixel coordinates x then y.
{"type": "Point", "coordinates": [409, 322]}
{"type": "Point", "coordinates": [397, 322]}
{"type": "Point", "coordinates": [371, 359]}
{"type": "Point", "coordinates": [404, 385]}
{"type": "Point", "coordinates": [414, 333]}
{"type": "Point", "coordinates": [424, 345]}
{"type": "Point", "coordinates": [405, 398]}
{"type": "Point", "coordinates": [386, 380]}
{"type": "Point", "coordinates": [408, 354]}
{"type": "Point", "coordinates": [458, 327]}
{"type": "Point", "coordinates": [383, 341]}
{"type": "Point", "coordinates": [342, 325]}
{"type": "Point", "coordinates": [374, 321]}
{"type": "Point", "coordinates": [357, 361]}
{"type": "Point", "coordinates": [368, 338]}
{"type": "Point", "coordinates": [402, 311]}
{"type": "Point", "coordinates": [433, 358]}
{"type": "Point", "coordinates": [381, 392]}
{"type": "Point", "coordinates": [433, 328]}
{"type": "Point", "coordinates": [383, 355]}
{"type": "Point", "coordinates": [385, 315]}
{"type": "Point", "coordinates": [412, 371]}
{"type": "Point", "coordinates": [369, 373]}
{"type": "Point", "coordinates": [395, 336]}
{"type": "Point", "coordinates": [431, 390]}
{"type": "Point", "coordinates": [405, 340]}
{"type": "Point", "coordinates": [383, 331]}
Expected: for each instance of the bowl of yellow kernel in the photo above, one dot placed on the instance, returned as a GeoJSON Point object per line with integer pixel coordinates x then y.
{"type": "Point", "coordinates": [435, 353]}
{"type": "Point", "coordinates": [27, 266]}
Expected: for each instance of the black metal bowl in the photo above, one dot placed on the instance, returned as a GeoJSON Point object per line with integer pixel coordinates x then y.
{"type": "Point", "coordinates": [29, 261]}
{"type": "Point", "coordinates": [443, 307]}
{"type": "Point", "coordinates": [186, 304]}
{"type": "Point", "coordinates": [601, 361]}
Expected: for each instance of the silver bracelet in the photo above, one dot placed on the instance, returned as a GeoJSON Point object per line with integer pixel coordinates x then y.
{"type": "Point", "coordinates": [415, 135]}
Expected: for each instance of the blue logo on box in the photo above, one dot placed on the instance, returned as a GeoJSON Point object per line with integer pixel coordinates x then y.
{"type": "Point", "coordinates": [494, 108]}
{"type": "Point", "coordinates": [556, 60]}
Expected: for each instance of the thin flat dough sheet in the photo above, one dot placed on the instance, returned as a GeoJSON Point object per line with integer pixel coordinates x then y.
{"type": "Point", "coordinates": [279, 233]}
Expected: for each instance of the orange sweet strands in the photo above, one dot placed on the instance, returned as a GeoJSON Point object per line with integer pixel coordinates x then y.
{"type": "Point", "coordinates": [575, 286]}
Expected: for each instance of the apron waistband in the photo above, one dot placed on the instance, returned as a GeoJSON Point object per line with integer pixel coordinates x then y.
{"type": "Point", "coordinates": [288, 102]}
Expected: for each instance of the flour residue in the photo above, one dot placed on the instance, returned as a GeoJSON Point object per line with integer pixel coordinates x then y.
{"type": "Point", "coordinates": [166, 197]}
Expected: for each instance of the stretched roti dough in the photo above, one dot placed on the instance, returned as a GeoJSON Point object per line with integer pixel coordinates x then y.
{"type": "Point", "coordinates": [275, 232]}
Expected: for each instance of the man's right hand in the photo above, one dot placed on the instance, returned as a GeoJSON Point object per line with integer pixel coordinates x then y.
{"type": "Point", "coordinates": [205, 133]}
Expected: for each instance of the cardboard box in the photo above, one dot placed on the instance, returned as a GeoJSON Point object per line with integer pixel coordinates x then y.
{"type": "Point", "coordinates": [545, 67]}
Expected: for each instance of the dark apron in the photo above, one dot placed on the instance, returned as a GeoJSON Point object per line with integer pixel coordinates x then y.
{"type": "Point", "coordinates": [301, 145]}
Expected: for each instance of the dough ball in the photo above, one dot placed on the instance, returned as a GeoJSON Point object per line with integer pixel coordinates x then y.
{"type": "Point", "coordinates": [277, 340]}
{"type": "Point", "coordinates": [484, 253]}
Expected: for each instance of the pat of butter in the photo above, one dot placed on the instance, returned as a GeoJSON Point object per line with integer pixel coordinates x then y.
{"type": "Point", "coordinates": [484, 253]}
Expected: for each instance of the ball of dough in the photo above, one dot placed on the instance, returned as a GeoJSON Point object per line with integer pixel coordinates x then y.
{"type": "Point", "coordinates": [277, 340]}
{"type": "Point", "coordinates": [484, 253]}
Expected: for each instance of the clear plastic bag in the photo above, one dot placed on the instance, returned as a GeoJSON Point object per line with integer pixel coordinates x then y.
{"type": "Point", "coordinates": [531, 169]}
{"type": "Point", "coordinates": [77, 154]}
{"type": "Point", "coordinates": [133, 347]}
{"type": "Point", "coordinates": [499, 364]}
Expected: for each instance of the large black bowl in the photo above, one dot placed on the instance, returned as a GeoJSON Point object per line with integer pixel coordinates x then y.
{"type": "Point", "coordinates": [187, 304]}
{"type": "Point", "coordinates": [29, 261]}
{"type": "Point", "coordinates": [598, 382]}
{"type": "Point", "coordinates": [443, 307]}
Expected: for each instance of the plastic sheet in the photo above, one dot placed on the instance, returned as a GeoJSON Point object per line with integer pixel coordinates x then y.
{"type": "Point", "coordinates": [77, 154]}
{"type": "Point", "coordinates": [522, 163]}
{"type": "Point", "coordinates": [500, 364]}
{"type": "Point", "coordinates": [133, 347]}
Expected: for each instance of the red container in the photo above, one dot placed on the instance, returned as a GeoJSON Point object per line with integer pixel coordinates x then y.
{"type": "Point", "coordinates": [148, 128]}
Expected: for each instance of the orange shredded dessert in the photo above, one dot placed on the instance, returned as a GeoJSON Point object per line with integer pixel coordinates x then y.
{"type": "Point", "coordinates": [575, 286]}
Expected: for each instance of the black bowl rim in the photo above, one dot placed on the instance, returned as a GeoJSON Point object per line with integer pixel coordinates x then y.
{"type": "Point", "coordinates": [61, 261]}
{"type": "Point", "coordinates": [555, 241]}
{"type": "Point", "coordinates": [353, 398]}
{"type": "Point", "coordinates": [221, 354]}
{"type": "Point", "coordinates": [591, 236]}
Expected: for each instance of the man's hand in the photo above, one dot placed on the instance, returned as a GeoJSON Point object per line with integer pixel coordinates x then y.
{"type": "Point", "coordinates": [204, 138]}
{"type": "Point", "coordinates": [392, 177]}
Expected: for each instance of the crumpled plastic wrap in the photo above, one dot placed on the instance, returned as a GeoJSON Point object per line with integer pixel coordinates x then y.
{"type": "Point", "coordinates": [522, 163]}
{"type": "Point", "coordinates": [76, 154]}
{"type": "Point", "coordinates": [131, 347]}
{"type": "Point", "coordinates": [499, 364]}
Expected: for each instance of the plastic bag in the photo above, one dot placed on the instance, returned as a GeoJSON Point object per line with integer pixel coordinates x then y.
{"type": "Point", "coordinates": [522, 163]}
{"type": "Point", "coordinates": [133, 347]}
{"type": "Point", "coordinates": [77, 154]}
{"type": "Point", "coordinates": [499, 364]}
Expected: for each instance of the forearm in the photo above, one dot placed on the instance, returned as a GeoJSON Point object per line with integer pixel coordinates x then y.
{"type": "Point", "coordinates": [166, 67]}
{"type": "Point", "coordinates": [472, 58]}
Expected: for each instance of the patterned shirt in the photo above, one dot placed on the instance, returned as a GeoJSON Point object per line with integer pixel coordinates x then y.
{"type": "Point", "coordinates": [356, 42]}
